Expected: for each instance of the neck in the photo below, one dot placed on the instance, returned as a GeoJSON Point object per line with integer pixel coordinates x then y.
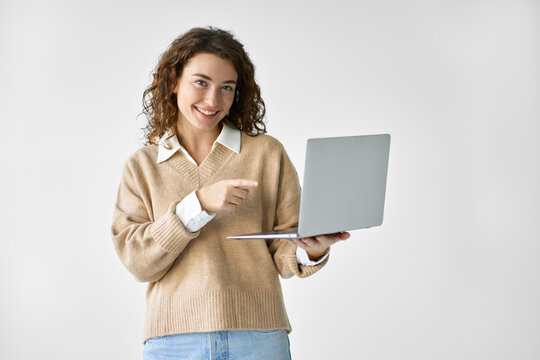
{"type": "Point", "coordinates": [195, 139]}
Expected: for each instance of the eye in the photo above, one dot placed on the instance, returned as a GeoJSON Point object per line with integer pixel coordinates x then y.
{"type": "Point", "coordinates": [201, 82]}
{"type": "Point", "coordinates": [227, 88]}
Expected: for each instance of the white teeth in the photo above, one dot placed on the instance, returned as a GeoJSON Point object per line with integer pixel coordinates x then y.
{"type": "Point", "coordinates": [206, 112]}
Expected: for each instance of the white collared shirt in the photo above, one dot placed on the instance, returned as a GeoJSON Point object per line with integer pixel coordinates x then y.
{"type": "Point", "coordinates": [189, 210]}
{"type": "Point", "coordinates": [228, 137]}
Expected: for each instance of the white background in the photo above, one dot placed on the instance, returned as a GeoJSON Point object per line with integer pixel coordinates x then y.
{"type": "Point", "coordinates": [453, 272]}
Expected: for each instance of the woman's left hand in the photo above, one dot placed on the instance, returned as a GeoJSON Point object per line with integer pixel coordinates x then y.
{"type": "Point", "coordinates": [317, 246]}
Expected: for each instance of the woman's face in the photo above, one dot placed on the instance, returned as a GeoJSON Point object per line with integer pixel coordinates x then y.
{"type": "Point", "coordinates": [205, 91]}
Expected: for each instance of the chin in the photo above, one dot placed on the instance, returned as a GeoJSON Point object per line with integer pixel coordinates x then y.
{"type": "Point", "coordinates": [206, 126]}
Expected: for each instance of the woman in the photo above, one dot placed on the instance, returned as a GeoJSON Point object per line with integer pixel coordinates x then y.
{"type": "Point", "coordinates": [209, 171]}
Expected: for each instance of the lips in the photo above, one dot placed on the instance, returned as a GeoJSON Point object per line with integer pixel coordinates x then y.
{"type": "Point", "coordinates": [206, 112]}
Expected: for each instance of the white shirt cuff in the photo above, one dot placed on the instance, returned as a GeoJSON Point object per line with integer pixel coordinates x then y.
{"type": "Point", "coordinates": [191, 214]}
{"type": "Point", "coordinates": [303, 259]}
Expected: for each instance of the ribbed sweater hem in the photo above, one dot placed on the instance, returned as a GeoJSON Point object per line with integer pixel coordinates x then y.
{"type": "Point", "coordinates": [215, 311]}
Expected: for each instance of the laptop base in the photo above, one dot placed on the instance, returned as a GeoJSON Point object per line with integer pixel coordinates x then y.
{"type": "Point", "coordinates": [290, 233]}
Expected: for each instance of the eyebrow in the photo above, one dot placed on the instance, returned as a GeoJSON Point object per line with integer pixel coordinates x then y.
{"type": "Point", "coordinates": [206, 77]}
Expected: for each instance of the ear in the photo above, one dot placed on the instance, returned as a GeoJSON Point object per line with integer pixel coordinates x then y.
{"type": "Point", "coordinates": [175, 87]}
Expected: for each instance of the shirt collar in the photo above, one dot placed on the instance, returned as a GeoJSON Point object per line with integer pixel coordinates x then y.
{"type": "Point", "coordinates": [228, 137]}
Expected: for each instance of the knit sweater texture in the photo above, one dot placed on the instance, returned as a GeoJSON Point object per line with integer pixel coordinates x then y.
{"type": "Point", "coordinates": [201, 281]}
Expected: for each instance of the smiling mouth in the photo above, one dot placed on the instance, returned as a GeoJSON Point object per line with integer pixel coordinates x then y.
{"type": "Point", "coordinates": [206, 112]}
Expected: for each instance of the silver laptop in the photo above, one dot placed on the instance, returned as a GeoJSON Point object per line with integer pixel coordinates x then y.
{"type": "Point", "coordinates": [344, 187]}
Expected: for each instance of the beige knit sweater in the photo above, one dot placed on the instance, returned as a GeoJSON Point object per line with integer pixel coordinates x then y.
{"type": "Point", "coordinates": [202, 281]}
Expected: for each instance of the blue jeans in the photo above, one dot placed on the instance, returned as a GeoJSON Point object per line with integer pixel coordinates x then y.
{"type": "Point", "coordinates": [220, 345]}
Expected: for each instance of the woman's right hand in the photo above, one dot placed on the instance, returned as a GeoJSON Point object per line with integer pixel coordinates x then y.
{"type": "Point", "coordinates": [225, 194]}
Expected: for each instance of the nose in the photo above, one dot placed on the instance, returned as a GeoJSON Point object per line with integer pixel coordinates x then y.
{"type": "Point", "coordinates": [213, 97]}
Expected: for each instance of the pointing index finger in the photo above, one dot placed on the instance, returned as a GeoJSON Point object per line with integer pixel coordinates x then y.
{"type": "Point", "coordinates": [244, 183]}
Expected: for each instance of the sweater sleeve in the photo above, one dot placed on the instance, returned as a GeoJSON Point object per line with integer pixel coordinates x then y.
{"type": "Point", "coordinates": [287, 212]}
{"type": "Point", "coordinates": [147, 247]}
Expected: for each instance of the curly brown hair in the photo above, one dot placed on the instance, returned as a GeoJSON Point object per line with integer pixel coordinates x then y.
{"type": "Point", "coordinates": [159, 101]}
